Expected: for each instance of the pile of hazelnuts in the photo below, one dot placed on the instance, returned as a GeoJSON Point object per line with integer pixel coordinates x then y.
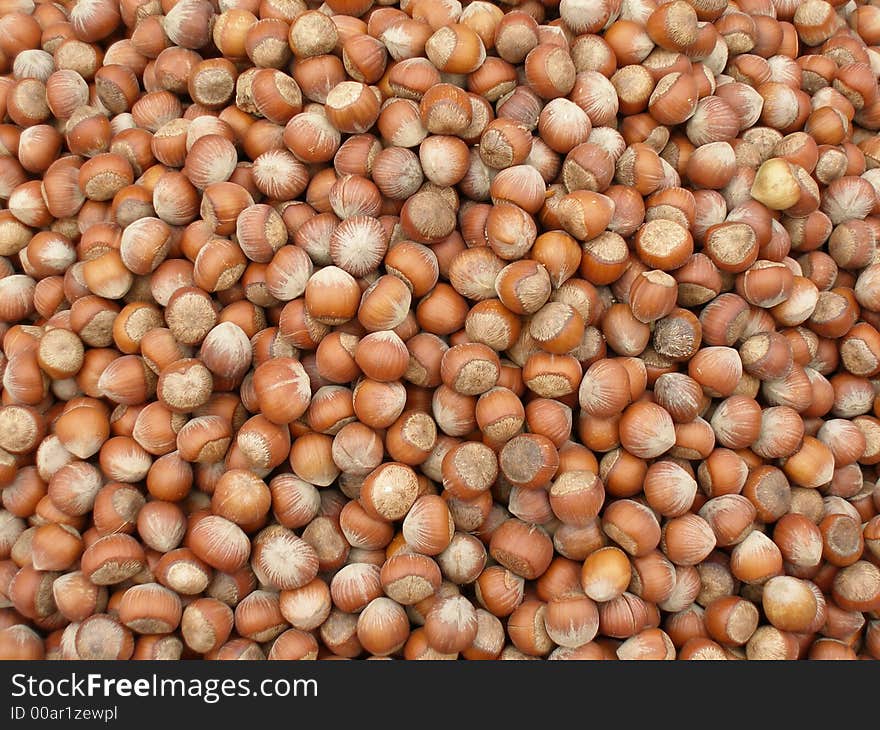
{"type": "Point", "coordinates": [438, 329]}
